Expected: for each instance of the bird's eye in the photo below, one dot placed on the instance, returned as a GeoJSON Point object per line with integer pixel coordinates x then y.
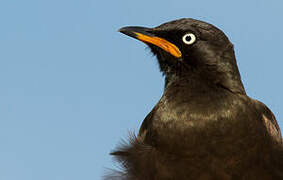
{"type": "Point", "coordinates": [189, 38]}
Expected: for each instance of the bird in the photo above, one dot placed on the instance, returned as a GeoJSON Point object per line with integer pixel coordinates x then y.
{"type": "Point", "coordinates": [205, 126]}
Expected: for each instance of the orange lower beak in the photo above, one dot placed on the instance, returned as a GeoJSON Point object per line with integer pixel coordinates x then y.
{"type": "Point", "coordinates": [143, 35]}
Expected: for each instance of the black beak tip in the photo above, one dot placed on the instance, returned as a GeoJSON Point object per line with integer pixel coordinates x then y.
{"type": "Point", "coordinates": [130, 31]}
{"type": "Point", "coordinates": [133, 30]}
{"type": "Point", "coordinates": [125, 30]}
{"type": "Point", "coordinates": [121, 30]}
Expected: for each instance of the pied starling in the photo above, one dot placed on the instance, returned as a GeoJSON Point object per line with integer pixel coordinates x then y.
{"type": "Point", "coordinates": [204, 127]}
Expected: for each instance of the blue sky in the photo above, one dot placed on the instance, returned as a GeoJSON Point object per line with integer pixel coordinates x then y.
{"type": "Point", "coordinates": [72, 86]}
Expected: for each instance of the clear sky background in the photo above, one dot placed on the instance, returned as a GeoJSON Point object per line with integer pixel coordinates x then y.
{"type": "Point", "coordinates": [71, 86]}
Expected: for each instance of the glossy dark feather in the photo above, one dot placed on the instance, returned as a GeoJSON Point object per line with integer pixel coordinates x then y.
{"type": "Point", "coordinates": [204, 127]}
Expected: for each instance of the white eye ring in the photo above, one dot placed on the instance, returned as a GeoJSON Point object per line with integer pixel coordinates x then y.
{"type": "Point", "coordinates": [189, 38]}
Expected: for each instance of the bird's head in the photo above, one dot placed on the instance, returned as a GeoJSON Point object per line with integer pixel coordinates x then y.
{"type": "Point", "coordinates": [188, 48]}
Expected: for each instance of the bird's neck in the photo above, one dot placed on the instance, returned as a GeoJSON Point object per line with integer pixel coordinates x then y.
{"type": "Point", "coordinates": [196, 83]}
{"type": "Point", "coordinates": [225, 75]}
{"type": "Point", "coordinates": [189, 84]}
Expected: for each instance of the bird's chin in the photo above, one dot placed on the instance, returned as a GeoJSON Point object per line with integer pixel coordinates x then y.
{"type": "Point", "coordinates": [154, 50]}
{"type": "Point", "coordinates": [161, 55]}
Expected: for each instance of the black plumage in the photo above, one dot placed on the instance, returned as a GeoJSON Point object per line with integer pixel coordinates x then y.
{"type": "Point", "coordinates": [204, 127]}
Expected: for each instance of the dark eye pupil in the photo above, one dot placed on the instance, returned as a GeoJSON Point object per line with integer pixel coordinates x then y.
{"type": "Point", "coordinates": [188, 38]}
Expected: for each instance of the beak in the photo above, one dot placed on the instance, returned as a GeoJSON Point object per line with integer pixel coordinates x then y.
{"type": "Point", "coordinates": [145, 35]}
